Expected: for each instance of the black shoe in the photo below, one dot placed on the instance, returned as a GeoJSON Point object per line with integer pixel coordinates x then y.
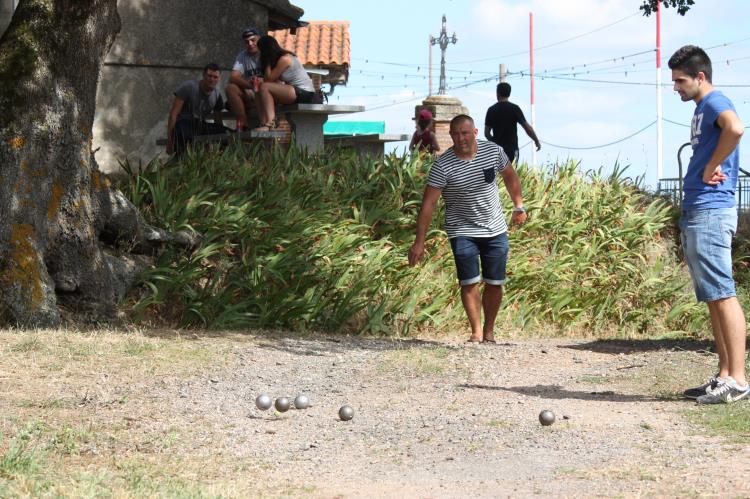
{"type": "Point", "coordinates": [698, 391]}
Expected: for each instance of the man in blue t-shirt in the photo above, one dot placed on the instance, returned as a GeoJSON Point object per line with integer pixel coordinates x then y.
{"type": "Point", "coordinates": [709, 219]}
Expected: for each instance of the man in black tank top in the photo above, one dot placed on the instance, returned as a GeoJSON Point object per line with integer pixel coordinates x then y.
{"type": "Point", "coordinates": [501, 120]}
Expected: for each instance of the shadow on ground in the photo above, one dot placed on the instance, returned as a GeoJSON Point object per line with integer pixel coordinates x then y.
{"type": "Point", "coordinates": [305, 344]}
{"type": "Point", "coordinates": [646, 345]}
{"type": "Point", "coordinates": [556, 392]}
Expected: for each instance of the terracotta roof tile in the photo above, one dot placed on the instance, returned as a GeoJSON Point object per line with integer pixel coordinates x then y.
{"type": "Point", "coordinates": [322, 43]}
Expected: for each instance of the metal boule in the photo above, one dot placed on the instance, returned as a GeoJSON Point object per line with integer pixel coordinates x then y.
{"type": "Point", "coordinates": [546, 417]}
{"type": "Point", "coordinates": [263, 402]}
{"type": "Point", "coordinates": [346, 413]}
{"type": "Point", "coordinates": [282, 404]}
{"type": "Point", "coordinates": [301, 402]}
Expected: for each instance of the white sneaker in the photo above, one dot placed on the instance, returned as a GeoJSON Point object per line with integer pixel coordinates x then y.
{"type": "Point", "coordinates": [725, 393]}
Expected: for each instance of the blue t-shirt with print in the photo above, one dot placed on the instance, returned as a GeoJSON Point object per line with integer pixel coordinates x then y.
{"type": "Point", "coordinates": [704, 137]}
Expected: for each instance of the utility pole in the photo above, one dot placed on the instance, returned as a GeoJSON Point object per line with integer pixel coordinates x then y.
{"type": "Point", "coordinates": [659, 131]}
{"type": "Point", "coordinates": [429, 67]}
{"type": "Point", "coordinates": [443, 40]}
{"type": "Point", "coordinates": [503, 72]}
{"type": "Point", "coordinates": [531, 64]}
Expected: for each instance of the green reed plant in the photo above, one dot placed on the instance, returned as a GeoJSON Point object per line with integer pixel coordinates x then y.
{"type": "Point", "coordinates": [320, 241]}
{"type": "Point", "coordinates": [593, 253]}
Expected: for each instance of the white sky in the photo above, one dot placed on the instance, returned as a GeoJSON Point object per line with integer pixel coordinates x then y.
{"type": "Point", "coordinates": [390, 53]}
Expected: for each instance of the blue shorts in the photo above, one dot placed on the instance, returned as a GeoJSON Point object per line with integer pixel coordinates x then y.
{"type": "Point", "coordinates": [493, 253]}
{"type": "Point", "coordinates": [707, 243]}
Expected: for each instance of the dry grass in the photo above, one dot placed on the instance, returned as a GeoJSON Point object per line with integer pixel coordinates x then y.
{"type": "Point", "coordinates": [73, 416]}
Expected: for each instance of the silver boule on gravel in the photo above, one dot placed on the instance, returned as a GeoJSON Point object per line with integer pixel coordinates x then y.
{"type": "Point", "coordinates": [301, 402]}
{"type": "Point", "coordinates": [546, 417]}
{"type": "Point", "coordinates": [282, 404]}
{"type": "Point", "coordinates": [263, 402]}
{"type": "Point", "coordinates": [346, 413]}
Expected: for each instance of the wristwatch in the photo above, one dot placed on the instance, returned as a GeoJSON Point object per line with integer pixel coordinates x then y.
{"type": "Point", "coordinates": [519, 209]}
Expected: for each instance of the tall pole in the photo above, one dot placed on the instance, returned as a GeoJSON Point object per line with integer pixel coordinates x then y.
{"type": "Point", "coordinates": [429, 89]}
{"type": "Point", "coordinates": [531, 65]}
{"type": "Point", "coordinates": [503, 72]}
{"type": "Point", "coordinates": [659, 134]}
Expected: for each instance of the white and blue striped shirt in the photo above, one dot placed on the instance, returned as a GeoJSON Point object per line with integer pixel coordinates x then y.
{"type": "Point", "coordinates": [470, 192]}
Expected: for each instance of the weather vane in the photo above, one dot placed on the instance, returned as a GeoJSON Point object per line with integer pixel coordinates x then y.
{"type": "Point", "coordinates": [443, 41]}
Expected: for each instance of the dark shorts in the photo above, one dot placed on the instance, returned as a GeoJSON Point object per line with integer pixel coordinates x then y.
{"type": "Point", "coordinates": [303, 96]}
{"type": "Point", "coordinates": [186, 129]}
{"type": "Point", "coordinates": [492, 252]}
{"type": "Point", "coordinates": [511, 153]}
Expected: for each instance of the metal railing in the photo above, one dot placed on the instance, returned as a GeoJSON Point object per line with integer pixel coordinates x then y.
{"type": "Point", "coordinates": [672, 187]}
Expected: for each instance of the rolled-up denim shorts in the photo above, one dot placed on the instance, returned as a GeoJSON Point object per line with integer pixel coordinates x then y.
{"type": "Point", "coordinates": [706, 237]}
{"type": "Point", "coordinates": [491, 251]}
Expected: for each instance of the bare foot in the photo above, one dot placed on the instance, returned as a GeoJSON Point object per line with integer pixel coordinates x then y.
{"type": "Point", "coordinates": [474, 339]}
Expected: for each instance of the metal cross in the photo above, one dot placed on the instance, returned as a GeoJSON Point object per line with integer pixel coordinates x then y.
{"type": "Point", "coordinates": [443, 41]}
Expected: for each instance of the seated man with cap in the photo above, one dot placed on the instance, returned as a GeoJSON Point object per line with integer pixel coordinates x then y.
{"type": "Point", "coordinates": [245, 77]}
{"type": "Point", "coordinates": [424, 138]}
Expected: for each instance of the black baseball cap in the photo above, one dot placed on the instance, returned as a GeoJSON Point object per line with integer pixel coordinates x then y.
{"type": "Point", "coordinates": [250, 31]}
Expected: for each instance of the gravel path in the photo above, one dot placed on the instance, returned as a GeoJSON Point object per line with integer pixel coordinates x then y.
{"type": "Point", "coordinates": [447, 419]}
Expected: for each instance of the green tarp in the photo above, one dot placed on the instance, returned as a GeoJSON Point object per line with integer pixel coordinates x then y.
{"type": "Point", "coordinates": [353, 127]}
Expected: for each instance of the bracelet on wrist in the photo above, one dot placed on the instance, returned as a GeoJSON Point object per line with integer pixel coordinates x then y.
{"type": "Point", "coordinates": [519, 209]}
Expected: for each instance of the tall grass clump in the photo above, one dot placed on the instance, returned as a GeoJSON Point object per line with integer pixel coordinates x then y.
{"type": "Point", "coordinates": [292, 240]}
{"type": "Point", "coordinates": [320, 241]}
{"type": "Point", "coordinates": [597, 251]}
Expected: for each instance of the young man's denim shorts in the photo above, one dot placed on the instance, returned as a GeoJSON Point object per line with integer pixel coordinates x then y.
{"type": "Point", "coordinates": [491, 251]}
{"type": "Point", "coordinates": [707, 243]}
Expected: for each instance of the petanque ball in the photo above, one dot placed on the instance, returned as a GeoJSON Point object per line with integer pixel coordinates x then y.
{"type": "Point", "coordinates": [546, 417]}
{"type": "Point", "coordinates": [346, 413]}
{"type": "Point", "coordinates": [301, 402]}
{"type": "Point", "coordinates": [282, 404]}
{"type": "Point", "coordinates": [263, 402]}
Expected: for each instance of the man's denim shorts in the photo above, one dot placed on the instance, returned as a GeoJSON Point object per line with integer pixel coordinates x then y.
{"type": "Point", "coordinates": [707, 243]}
{"type": "Point", "coordinates": [493, 253]}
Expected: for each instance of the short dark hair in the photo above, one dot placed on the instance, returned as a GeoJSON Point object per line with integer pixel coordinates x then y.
{"type": "Point", "coordinates": [460, 119]}
{"type": "Point", "coordinates": [211, 66]}
{"type": "Point", "coordinates": [503, 89]}
{"type": "Point", "coordinates": [691, 60]}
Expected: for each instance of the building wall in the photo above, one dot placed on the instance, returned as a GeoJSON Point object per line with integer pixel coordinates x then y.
{"type": "Point", "coordinates": [132, 102]}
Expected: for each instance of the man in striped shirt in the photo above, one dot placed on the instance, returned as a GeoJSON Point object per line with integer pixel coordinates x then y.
{"type": "Point", "coordinates": [465, 175]}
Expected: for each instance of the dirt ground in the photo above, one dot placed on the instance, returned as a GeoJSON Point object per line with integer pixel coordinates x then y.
{"type": "Point", "coordinates": [172, 414]}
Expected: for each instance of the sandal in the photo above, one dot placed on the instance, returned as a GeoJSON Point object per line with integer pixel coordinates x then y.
{"type": "Point", "coordinates": [265, 128]}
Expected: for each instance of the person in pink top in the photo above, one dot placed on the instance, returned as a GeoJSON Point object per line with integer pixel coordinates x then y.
{"type": "Point", "coordinates": [424, 138]}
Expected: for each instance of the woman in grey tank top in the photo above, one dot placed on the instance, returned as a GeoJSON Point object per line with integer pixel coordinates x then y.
{"type": "Point", "coordinates": [285, 81]}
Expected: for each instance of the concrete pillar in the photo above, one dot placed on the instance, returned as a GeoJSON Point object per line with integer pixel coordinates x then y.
{"type": "Point", "coordinates": [444, 108]}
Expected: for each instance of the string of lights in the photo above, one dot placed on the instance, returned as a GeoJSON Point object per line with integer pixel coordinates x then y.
{"type": "Point", "coordinates": [569, 70]}
{"type": "Point", "coordinates": [602, 145]}
{"type": "Point", "coordinates": [560, 42]}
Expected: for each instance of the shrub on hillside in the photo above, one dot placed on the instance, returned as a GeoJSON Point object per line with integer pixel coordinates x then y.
{"type": "Point", "coordinates": [299, 241]}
